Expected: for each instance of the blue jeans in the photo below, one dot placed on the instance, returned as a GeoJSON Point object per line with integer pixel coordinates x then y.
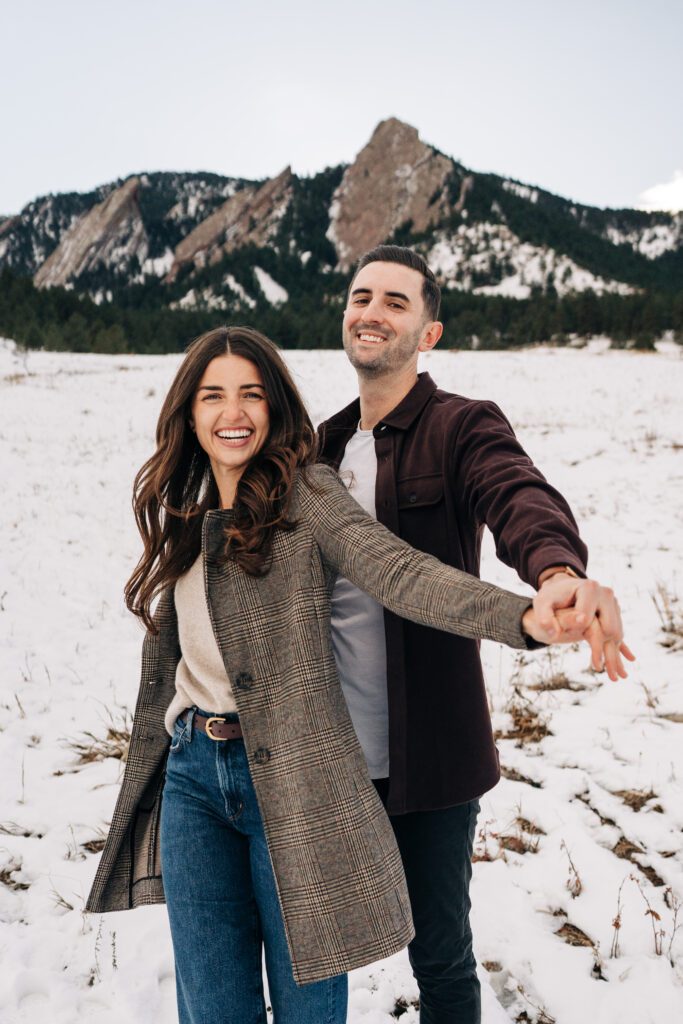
{"type": "Point", "coordinates": [220, 891]}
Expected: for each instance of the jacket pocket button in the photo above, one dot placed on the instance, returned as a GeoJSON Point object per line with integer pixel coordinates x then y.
{"type": "Point", "coordinates": [243, 681]}
{"type": "Point", "coordinates": [262, 755]}
{"type": "Point", "coordinates": [412, 498]}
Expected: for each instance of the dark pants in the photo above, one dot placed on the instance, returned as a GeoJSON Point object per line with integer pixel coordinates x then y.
{"type": "Point", "coordinates": [436, 848]}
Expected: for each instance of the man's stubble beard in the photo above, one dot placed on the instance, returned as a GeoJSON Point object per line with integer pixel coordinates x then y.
{"type": "Point", "coordinates": [393, 356]}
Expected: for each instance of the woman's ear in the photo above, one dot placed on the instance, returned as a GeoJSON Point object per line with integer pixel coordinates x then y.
{"type": "Point", "coordinates": [191, 425]}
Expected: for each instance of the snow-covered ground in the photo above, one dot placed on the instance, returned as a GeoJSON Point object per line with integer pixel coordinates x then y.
{"type": "Point", "coordinates": [564, 839]}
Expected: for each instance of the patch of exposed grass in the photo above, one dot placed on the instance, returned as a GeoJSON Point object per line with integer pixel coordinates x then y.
{"type": "Point", "coordinates": [7, 878]}
{"type": "Point", "coordinates": [637, 798]}
{"type": "Point", "coordinates": [627, 850]}
{"type": "Point", "coordinates": [528, 726]}
{"type": "Point", "coordinates": [89, 748]}
{"type": "Point", "coordinates": [10, 828]}
{"type": "Point", "coordinates": [574, 936]}
{"type": "Point", "coordinates": [515, 776]}
{"type": "Point", "coordinates": [402, 1005]}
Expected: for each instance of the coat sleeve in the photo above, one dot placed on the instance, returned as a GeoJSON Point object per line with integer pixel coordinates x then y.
{"type": "Point", "coordinates": [531, 522]}
{"type": "Point", "coordinates": [410, 583]}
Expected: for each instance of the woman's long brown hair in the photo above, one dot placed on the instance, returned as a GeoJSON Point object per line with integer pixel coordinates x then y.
{"type": "Point", "coordinates": [176, 487]}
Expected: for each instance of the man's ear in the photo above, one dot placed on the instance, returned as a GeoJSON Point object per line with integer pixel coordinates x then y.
{"type": "Point", "coordinates": [432, 333]}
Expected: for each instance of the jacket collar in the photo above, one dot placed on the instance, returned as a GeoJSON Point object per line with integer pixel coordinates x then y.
{"type": "Point", "coordinates": [401, 417]}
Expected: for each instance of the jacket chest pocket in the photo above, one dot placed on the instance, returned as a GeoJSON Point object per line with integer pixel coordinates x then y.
{"type": "Point", "coordinates": [419, 491]}
{"type": "Point", "coordinates": [422, 513]}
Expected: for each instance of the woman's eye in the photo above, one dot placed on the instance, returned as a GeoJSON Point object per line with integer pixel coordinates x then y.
{"type": "Point", "coordinates": [251, 395]}
{"type": "Point", "coordinates": [211, 394]}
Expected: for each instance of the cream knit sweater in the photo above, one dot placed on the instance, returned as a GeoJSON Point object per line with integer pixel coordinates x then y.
{"type": "Point", "coordinates": [201, 678]}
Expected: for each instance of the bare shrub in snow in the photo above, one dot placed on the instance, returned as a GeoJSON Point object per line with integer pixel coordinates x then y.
{"type": "Point", "coordinates": [543, 1015]}
{"type": "Point", "coordinates": [527, 724]}
{"type": "Point", "coordinates": [670, 616]}
{"type": "Point", "coordinates": [10, 828]}
{"type": "Point", "coordinates": [655, 918]}
{"type": "Point", "coordinates": [674, 904]}
{"type": "Point", "coordinates": [7, 873]}
{"type": "Point", "coordinates": [616, 925]}
{"type": "Point", "coordinates": [551, 675]}
{"type": "Point", "coordinates": [573, 883]}
{"type": "Point", "coordinates": [114, 743]}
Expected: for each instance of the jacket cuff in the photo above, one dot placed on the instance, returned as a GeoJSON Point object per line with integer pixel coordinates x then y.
{"type": "Point", "coordinates": [547, 557]}
{"type": "Point", "coordinates": [509, 622]}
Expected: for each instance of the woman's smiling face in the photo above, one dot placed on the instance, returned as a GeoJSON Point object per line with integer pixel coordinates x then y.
{"type": "Point", "coordinates": [231, 418]}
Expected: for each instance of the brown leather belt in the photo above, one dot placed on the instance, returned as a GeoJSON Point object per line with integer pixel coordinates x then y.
{"type": "Point", "coordinates": [216, 728]}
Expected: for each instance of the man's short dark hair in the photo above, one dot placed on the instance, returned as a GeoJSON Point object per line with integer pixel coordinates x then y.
{"type": "Point", "coordinates": [431, 293]}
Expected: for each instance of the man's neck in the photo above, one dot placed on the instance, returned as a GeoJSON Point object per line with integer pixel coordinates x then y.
{"type": "Point", "coordinates": [379, 395]}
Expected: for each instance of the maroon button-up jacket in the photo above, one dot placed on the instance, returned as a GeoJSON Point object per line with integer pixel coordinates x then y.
{"type": "Point", "coordinates": [446, 467]}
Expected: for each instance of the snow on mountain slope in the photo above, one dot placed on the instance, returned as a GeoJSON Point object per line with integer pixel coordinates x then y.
{"type": "Point", "coordinates": [492, 253]}
{"type": "Point", "coordinates": [592, 787]}
{"type": "Point", "coordinates": [651, 241]}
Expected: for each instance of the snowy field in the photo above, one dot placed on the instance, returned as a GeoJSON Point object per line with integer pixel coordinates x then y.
{"type": "Point", "coordinates": [585, 829]}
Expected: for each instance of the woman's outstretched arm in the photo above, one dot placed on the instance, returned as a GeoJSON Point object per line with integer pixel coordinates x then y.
{"type": "Point", "coordinates": [409, 582]}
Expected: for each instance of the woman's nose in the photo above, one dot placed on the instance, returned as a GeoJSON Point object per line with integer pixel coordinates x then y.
{"type": "Point", "coordinates": [232, 410]}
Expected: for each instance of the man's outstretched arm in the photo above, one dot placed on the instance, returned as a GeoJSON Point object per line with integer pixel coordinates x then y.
{"type": "Point", "coordinates": [535, 532]}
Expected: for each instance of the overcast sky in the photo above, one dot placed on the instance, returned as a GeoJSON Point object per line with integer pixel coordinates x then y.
{"type": "Point", "coordinates": [582, 98]}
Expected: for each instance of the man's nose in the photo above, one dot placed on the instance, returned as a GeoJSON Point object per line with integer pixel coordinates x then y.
{"type": "Point", "coordinates": [374, 311]}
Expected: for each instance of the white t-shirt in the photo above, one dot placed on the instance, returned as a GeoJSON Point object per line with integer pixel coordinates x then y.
{"type": "Point", "coordinates": [358, 638]}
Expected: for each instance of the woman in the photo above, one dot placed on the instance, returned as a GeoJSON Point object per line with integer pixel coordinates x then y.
{"type": "Point", "coordinates": [270, 832]}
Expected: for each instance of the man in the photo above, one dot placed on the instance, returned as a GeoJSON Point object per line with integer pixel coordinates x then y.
{"type": "Point", "coordinates": [436, 468]}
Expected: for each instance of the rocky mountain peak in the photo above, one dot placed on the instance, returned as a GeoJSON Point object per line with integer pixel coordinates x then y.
{"type": "Point", "coordinates": [111, 232]}
{"type": "Point", "coordinates": [249, 217]}
{"type": "Point", "coordinates": [395, 178]}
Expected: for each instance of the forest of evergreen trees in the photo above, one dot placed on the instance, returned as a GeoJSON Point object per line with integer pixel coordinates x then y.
{"type": "Point", "coordinates": [60, 320]}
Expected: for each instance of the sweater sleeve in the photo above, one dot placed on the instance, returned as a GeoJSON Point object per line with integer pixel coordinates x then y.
{"type": "Point", "coordinates": [410, 583]}
{"type": "Point", "coordinates": [531, 522]}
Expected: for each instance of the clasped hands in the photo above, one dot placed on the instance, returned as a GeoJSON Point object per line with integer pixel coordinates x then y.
{"type": "Point", "coordinates": [566, 610]}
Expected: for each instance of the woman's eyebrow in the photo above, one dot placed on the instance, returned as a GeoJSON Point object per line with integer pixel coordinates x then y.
{"type": "Point", "coordinates": [219, 387]}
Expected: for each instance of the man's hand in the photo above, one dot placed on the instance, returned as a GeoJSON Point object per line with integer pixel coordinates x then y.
{"type": "Point", "coordinates": [568, 609]}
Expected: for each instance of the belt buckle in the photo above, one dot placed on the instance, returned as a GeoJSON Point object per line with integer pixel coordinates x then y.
{"type": "Point", "coordinates": [216, 739]}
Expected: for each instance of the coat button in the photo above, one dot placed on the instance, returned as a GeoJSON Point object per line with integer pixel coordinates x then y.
{"type": "Point", "coordinates": [243, 681]}
{"type": "Point", "coordinates": [262, 755]}
{"type": "Point", "coordinates": [412, 498]}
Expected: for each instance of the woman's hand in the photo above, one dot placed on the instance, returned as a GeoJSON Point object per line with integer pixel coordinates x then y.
{"type": "Point", "coordinates": [571, 625]}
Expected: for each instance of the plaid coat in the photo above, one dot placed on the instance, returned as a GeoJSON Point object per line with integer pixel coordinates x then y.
{"type": "Point", "coordinates": [337, 868]}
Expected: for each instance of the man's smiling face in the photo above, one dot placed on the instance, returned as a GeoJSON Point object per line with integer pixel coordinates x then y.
{"type": "Point", "coordinates": [384, 320]}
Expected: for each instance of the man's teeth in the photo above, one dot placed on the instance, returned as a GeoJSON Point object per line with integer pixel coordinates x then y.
{"type": "Point", "coordinates": [233, 435]}
{"type": "Point", "coordinates": [370, 337]}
